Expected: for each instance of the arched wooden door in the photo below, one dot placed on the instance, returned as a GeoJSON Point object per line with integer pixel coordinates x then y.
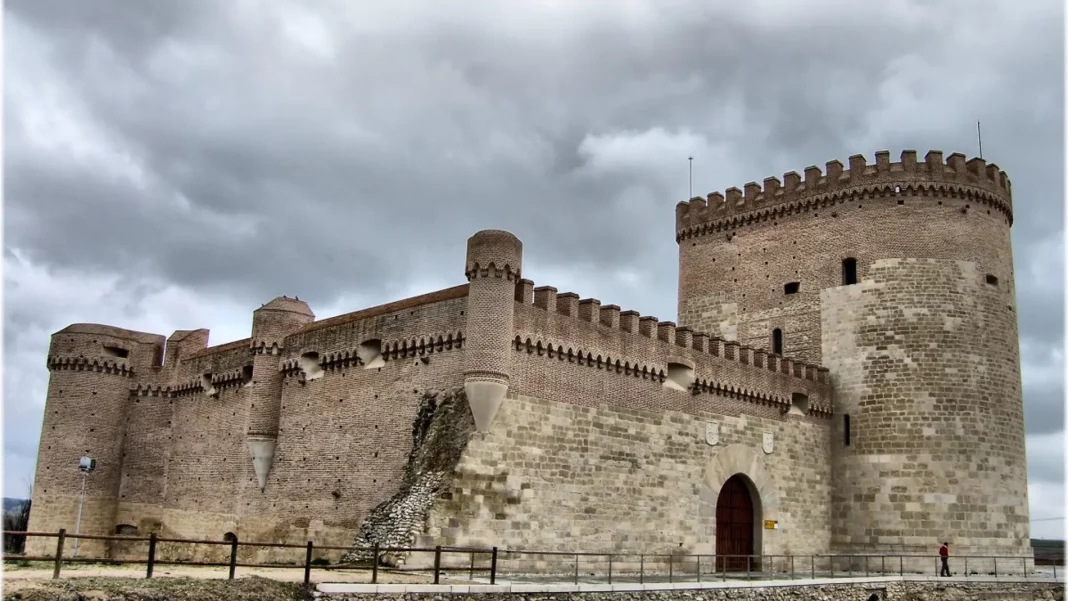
{"type": "Point", "coordinates": [734, 525]}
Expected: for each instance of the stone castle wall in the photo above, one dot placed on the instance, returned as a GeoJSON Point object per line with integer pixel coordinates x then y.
{"type": "Point", "coordinates": [590, 476]}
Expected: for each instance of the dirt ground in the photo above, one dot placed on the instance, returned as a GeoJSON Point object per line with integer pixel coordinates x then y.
{"type": "Point", "coordinates": [18, 577]}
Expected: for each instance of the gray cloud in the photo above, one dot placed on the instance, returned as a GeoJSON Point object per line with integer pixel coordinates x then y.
{"type": "Point", "coordinates": [344, 155]}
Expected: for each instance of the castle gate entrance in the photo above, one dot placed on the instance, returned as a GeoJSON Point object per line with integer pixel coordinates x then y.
{"type": "Point", "coordinates": [734, 526]}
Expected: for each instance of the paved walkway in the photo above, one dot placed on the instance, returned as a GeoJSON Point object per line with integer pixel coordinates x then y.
{"type": "Point", "coordinates": [503, 586]}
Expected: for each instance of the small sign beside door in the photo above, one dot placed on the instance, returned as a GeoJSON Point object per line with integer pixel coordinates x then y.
{"type": "Point", "coordinates": [771, 525]}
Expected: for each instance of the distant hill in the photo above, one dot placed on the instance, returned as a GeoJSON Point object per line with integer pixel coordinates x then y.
{"type": "Point", "coordinates": [13, 504]}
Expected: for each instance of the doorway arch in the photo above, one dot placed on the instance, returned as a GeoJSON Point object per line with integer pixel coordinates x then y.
{"type": "Point", "coordinates": [747, 465]}
{"type": "Point", "coordinates": [736, 525]}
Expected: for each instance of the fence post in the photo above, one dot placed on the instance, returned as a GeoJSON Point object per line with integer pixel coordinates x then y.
{"type": "Point", "coordinates": [866, 570]}
{"type": "Point", "coordinates": [151, 554]}
{"type": "Point", "coordinates": [610, 569]}
{"type": "Point", "coordinates": [493, 567]}
{"type": "Point", "coordinates": [965, 566]}
{"type": "Point", "coordinates": [471, 573]}
{"type": "Point", "coordinates": [671, 568]}
{"type": "Point", "coordinates": [791, 567]}
{"type": "Point", "coordinates": [576, 568]}
{"type": "Point", "coordinates": [307, 565]}
{"type": "Point", "coordinates": [813, 558]}
{"type": "Point", "coordinates": [995, 567]}
{"type": "Point", "coordinates": [699, 568]}
{"type": "Point", "coordinates": [374, 565]}
{"type": "Point", "coordinates": [233, 557]}
{"type": "Point", "coordinates": [901, 565]}
{"type": "Point", "coordinates": [641, 569]}
{"type": "Point", "coordinates": [59, 552]}
{"type": "Point", "coordinates": [748, 567]}
{"type": "Point", "coordinates": [437, 564]}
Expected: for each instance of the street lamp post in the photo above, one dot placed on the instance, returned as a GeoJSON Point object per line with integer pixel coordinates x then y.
{"type": "Point", "coordinates": [86, 465]}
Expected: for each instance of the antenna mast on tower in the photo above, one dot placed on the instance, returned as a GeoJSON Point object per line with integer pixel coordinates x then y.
{"type": "Point", "coordinates": [691, 179]}
{"type": "Point", "coordinates": [979, 131]}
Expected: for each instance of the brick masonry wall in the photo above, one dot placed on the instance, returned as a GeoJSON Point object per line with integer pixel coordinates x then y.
{"type": "Point", "coordinates": [342, 441]}
{"type": "Point", "coordinates": [734, 287]}
{"type": "Point", "coordinates": [739, 372]}
{"type": "Point", "coordinates": [587, 474]}
{"type": "Point", "coordinates": [85, 415]}
{"type": "Point", "coordinates": [925, 360]}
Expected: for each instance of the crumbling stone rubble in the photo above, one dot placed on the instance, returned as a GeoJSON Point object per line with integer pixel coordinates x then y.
{"type": "Point", "coordinates": [442, 427]}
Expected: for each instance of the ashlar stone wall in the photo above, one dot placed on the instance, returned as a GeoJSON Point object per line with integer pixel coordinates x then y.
{"type": "Point", "coordinates": [564, 477]}
{"type": "Point", "coordinates": [924, 356]}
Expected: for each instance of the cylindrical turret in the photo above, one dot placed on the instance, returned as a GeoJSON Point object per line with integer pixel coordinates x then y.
{"type": "Point", "coordinates": [898, 278]}
{"type": "Point", "coordinates": [493, 268]}
{"type": "Point", "coordinates": [271, 323]}
{"type": "Point", "coordinates": [92, 369]}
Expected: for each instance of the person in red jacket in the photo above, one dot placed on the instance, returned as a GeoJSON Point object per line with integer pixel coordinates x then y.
{"type": "Point", "coordinates": [944, 554]}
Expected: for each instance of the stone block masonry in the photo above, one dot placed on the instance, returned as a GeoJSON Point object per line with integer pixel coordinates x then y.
{"type": "Point", "coordinates": [871, 590]}
{"type": "Point", "coordinates": [566, 477]}
{"type": "Point", "coordinates": [925, 359]}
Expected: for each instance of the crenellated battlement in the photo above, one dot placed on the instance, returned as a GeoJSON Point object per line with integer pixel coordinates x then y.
{"type": "Point", "coordinates": [955, 176]}
{"type": "Point", "coordinates": [665, 343]}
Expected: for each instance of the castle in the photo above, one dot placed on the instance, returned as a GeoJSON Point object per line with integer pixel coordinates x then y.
{"type": "Point", "coordinates": [844, 377]}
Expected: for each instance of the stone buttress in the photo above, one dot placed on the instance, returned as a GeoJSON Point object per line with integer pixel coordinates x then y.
{"type": "Point", "coordinates": [494, 263]}
{"type": "Point", "coordinates": [271, 323]}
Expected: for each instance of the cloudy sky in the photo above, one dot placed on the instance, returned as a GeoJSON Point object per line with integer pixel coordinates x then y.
{"type": "Point", "coordinates": [173, 164]}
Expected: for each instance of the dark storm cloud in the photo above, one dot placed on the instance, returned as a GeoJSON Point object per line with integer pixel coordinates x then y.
{"type": "Point", "coordinates": [254, 150]}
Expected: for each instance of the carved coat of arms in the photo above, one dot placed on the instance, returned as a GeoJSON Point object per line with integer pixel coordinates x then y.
{"type": "Point", "coordinates": [769, 442]}
{"type": "Point", "coordinates": [712, 434]}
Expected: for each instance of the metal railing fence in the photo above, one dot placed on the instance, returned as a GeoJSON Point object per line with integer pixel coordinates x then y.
{"type": "Point", "coordinates": [561, 566]}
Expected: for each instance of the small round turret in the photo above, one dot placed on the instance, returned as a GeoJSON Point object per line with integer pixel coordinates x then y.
{"type": "Point", "coordinates": [494, 263]}
{"type": "Point", "coordinates": [271, 323]}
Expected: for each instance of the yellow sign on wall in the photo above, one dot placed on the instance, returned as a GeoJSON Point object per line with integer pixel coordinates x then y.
{"type": "Point", "coordinates": [770, 524]}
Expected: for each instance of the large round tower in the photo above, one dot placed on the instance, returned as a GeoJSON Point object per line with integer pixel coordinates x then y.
{"type": "Point", "coordinates": [898, 278]}
{"type": "Point", "coordinates": [92, 369]}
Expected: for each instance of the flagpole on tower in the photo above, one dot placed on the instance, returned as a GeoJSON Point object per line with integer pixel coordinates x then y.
{"type": "Point", "coordinates": [691, 178]}
{"type": "Point", "coordinates": [979, 131]}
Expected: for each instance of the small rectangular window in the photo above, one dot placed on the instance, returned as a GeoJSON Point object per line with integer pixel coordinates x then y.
{"type": "Point", "coordinates": [849, 271]}
{"type": "Point", "coordinates": [991, 279]}
{"type": "Point", "coordinates": [776, 341]}
{"type": "Point", "coordinates": [792, 288]}
{"type": "Point", "coordinates": [846, 423]}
